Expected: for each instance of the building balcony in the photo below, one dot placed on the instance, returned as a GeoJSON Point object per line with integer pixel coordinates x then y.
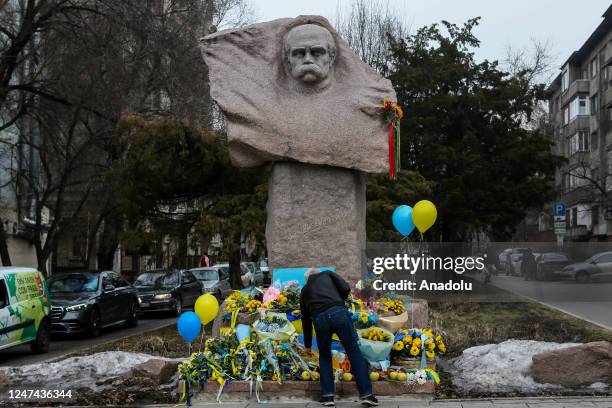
{"type": "Point", "coordinates": [578, 123]}
{"type": "Point", "coordinates": [579, 86]}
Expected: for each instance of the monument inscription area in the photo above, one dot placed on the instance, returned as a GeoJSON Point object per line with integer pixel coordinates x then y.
{"type": "Point", "coordinates": [294, 93]}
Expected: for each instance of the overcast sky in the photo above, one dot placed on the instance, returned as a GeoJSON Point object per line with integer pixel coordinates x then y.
{"type": "Point", "coordinates": [566, 24]}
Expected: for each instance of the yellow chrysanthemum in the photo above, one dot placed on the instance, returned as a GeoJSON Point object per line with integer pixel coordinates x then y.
{"type": "Point", "coordinates": [407, 339]}
{"type": "Point", "coordinates": [430, 354]}
{"type": "Point", "coordinates": [398, 345]}
{"type": "Point", "coordinates": [414, 351]}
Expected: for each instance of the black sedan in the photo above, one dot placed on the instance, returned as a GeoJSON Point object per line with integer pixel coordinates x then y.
{"type": "Point", "coordinates": [162, 290]}
{"type": "Point", "coordinates": [550, 263]}
{"type": "Point", "coordinates": [86, 302]}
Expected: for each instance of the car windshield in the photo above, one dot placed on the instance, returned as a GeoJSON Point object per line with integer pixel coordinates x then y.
{"type": "Point", "coordinates": [158, 279]}
{"type": "Point", "coordinates": [206, 274]}
{"type": "Point", "coordinates": [73, 284]}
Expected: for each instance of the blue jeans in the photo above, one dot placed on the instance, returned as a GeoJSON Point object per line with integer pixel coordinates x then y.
{"type": "Point", "coordinates": [337, 319]}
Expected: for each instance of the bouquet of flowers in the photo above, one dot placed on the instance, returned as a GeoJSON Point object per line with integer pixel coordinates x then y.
{"type": "Point", "coordinates": [274, 326]}
{"type": "Point", "coordinates": [286, 301]}
{"type": "Point", "coordinates": [375, 344]}
{"type": "Point", "coordinates": [364, 319]}
{"type": "Point", "coordinates": [414, 345]}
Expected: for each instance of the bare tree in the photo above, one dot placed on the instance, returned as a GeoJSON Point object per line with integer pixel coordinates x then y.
{"type": "Point", "coordinates": [366, 25]}
{"type": "Point", "coordinates": [70, 70]}
{"type": "Point", "coordinates": [536, 65]}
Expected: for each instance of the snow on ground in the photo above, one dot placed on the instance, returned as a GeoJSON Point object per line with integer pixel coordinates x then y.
{"type": "Point", "coordinates": [76, 372]}
{"type": "Point", "coordinates": [503, 367]}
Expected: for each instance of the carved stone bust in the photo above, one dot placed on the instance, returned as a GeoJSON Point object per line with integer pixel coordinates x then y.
{"type": "Point", "coordinates": [293, 90]}
{"type": "Point", "coordinates": [310, 51]}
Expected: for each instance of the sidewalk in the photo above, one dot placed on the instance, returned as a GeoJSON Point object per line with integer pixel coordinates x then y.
{"type": "Point", "coordinates": [548, 402]}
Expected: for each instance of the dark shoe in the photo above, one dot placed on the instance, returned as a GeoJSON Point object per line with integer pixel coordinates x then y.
{"type": "Point", "coordinates": [327, 401]}
{"type": "Point", "coordinates": [370, 401]}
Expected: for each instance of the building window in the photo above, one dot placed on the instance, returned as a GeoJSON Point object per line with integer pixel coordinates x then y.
{"type": "Point", "coordinates": [594, 67]}
{"type": "Point", "coordinates": [594, 104]}
{"type": "Point", "coordinates": [579, 142]}
{"type": "Point", "coordinates": [609, 157]}
{"type": "Point", "coordinates": [566, 115]}
{"type": "Point", "coordinates": [578, 107]}
{"type": "Point", "coordinates": [574, 216]}
{"type": "Point", "coordinates": [564, 80]}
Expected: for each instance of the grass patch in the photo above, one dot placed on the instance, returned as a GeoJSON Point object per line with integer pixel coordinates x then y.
{"type": "Point", "coordinates": [465, 325]}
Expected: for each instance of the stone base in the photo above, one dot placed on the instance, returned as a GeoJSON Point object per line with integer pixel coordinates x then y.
{"type": "Point", "coordinates": [316, 217]}
{"type": "Point", "coordinates": [239, 390]}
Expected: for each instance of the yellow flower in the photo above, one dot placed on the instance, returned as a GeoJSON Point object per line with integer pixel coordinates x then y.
{"type": "Point", "coordinates": [416, 342]}
{"type": "Point", "coordinates": [398, 346]}
{"type": "Point", "coordinates": [407, 339]}
{"type": "Point", "coordinates": [430, 354]}
{"type": "Point", "coordinates": [442, 348]}
{"type": "Point", "coordinates": [414, 351]}
{"type": "Point", "coordinates": [438, 338]}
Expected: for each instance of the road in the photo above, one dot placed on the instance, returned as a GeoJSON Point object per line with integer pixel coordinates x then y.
{"type": "Point", "coordinates": [21, 355]}
{"type": "Point", "coordinates": [588, 301]}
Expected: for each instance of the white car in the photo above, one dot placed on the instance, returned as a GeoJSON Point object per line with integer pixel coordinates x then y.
{"type": "Point", "coordinates": [245, 274]}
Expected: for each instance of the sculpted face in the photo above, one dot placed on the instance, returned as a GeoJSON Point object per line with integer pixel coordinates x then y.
{"type": "Point", "coordinates": [310, 52]}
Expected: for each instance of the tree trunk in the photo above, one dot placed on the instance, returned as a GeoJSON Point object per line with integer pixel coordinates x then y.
{"type": "Point", "coordinates": [5, 256]}
{"type": "Point", "coordinates": [234, 262]}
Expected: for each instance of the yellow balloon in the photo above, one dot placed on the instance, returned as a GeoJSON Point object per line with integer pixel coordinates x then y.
{"type": "Point", "coordinates": [206, 307]}
{"type": "Point", "coordinates": [424, 214]}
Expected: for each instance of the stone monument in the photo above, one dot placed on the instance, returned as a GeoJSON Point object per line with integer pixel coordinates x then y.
{"type": "Point", "coordinates": [294, 93]}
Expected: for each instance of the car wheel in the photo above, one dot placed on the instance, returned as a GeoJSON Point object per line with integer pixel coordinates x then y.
{"type": "Point", "coordinates": [133, 319]}
{"type": "Point", "coordinates": [178, 306]}
{"type": "Point", "coordinates": [43, 338]}
{"type": "Point", "coordinates": [583, 277]}
{"type": "Point", "coordinates": [95, 321]}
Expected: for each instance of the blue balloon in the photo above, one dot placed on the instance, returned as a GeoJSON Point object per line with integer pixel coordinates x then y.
{"type": "Point", "coordinates": [402, 220]}
{"type": "Point", "coordinates": [189, 326]}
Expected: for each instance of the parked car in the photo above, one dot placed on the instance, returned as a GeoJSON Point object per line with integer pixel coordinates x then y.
{"type": "Point", "coordinates": [246, 276]}
{"type": "Point", "coordinates": [596, 268]}
{"type": "Point", "coordinates": [256, 272]}
{"type": "Point", "coordinates": [24, 309]}
{"type": "Point", "coordinates": [214, 281]}
{"type": "Point", "coordinates": [163, 290]}
{"type": "Point", "coordinates": [550, 264]}
{"type": "Point", "coordinates": [88, 302]}
{"type": "Point", "coordinates": [265, 270]}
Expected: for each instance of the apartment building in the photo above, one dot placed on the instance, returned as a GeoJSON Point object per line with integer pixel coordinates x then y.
{"type": "Point", "coordinates": [580, 125]}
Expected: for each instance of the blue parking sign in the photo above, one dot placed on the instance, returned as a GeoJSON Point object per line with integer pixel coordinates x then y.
{"type": "Point", "coordinates": [559, 209]}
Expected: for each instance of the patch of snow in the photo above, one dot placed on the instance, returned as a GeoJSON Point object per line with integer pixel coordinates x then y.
{"type": "Point", "coordinates": [599, 386]}
{"type": "Point", "coordinates": [78, 372]}
{"type": "Point", "coordinates": [503, 367]}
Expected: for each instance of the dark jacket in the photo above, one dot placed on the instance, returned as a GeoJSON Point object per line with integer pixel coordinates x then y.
{"type": "Point", "coordinates": [322, 291]}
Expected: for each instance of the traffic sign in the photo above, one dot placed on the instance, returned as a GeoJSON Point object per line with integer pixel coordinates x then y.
{"type": "Point", "coordinates": [559, 209]}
